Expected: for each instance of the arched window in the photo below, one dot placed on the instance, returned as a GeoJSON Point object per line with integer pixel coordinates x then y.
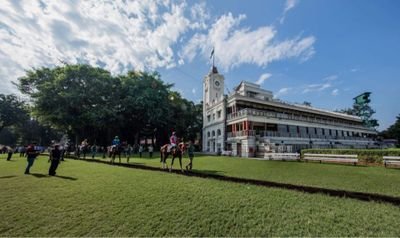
{"type": "Point", "coordinates": [218, 132]}
{"type": "Point", "coordinates": [208, 134]}
{"type": "Point", "coordinates": [213, 133]}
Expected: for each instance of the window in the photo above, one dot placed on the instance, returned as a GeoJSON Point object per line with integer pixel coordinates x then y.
{"type": "Point", "coordinates": [208, 118]}
{"type": "Point", "coordinates": [218, 132]}
{"type": "Point", "coordinates": [213, 116]}
{"type": "Point", "coordinates": [213, 133]}
{"type": "Point", "coordinates": [251, 94]}
{"type": "Point", "coordinates": [219, 114]}
{"type": "Point", "coordinates": [208, 134]}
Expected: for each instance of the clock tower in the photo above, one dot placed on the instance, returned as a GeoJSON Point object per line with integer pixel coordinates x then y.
{"type": "Point", "coordinates": [214, 112]}
{"type": "Point", "coordinates": [213, 85]}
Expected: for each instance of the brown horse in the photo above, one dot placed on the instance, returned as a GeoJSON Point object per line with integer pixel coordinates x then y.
{"type": "Point", "coordinates": [175, 152]}
{"type": "Point", "coordinates": [114, 151]}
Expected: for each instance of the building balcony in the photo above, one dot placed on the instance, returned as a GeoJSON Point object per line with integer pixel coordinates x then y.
{"type": "Point", "coordinates": [282, 116]}
{"type": "Point", "coordinates": [273, 134]}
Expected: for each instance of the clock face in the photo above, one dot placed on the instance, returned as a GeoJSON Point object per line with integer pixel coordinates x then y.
{"type": "Point", "coordinates": [217, 83]}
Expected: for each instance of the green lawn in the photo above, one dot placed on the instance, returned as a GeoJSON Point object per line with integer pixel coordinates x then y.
{"type": "Point", "coordinates": [335, 176]}
{"type": "Point", "coordinates": [92, 199]}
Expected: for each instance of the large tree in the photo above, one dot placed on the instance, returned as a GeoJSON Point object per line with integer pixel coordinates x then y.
{"type": "Point", "coordinates": [89, 102]}
{"type": "Point", "coordinates": [362, 109]}
{"type": "Point", "coordinates": [393, 132]}
{"type": "Point", "coordinates": [145, 105]}
{"type": "Point", "coordinates": [74, 98]}
{"type": "Point", "coordinates": [12, 111]}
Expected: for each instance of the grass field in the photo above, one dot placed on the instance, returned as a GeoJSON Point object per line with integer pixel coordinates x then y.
{"type": "Point", "coordinates": [89, 199]}
{"type": "Point", "coordinates": [378, 180]}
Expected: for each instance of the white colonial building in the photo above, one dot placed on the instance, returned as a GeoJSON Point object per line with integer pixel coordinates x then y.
{"type": "Point", "coordinates": [214, 112]}
{"type": "Point", "coordinates": [250, 122]}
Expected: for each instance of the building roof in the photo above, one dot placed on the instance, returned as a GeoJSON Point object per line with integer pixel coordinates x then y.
{"type": "Point", "coordinates": [277, 102]}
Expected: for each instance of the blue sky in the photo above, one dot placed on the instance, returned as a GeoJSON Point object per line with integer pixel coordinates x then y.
{"type": "Point", "coordinates": [324, 52]}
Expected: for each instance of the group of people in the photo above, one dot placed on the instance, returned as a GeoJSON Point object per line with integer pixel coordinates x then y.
{"type": "Point", "coordinates": [56, 152]}
{"type": "Point", "coordinates": [129, 149]}
{"type": "Point", "coordinates": [172, 145]}
{"type": "Point", "coordinates": [54, 158]}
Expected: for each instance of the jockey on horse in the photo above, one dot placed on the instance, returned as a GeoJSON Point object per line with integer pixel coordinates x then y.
{"type": "Point", "coordinates": [172, 142]}
{"type": "Point", "coordinates": [174, 149]}
{"type": "Point", "coordinates": [115, 142]}
{"type": "Point", "coordinates": [115, 149]}
{"type": "Point", "coordinates": [83, 148]}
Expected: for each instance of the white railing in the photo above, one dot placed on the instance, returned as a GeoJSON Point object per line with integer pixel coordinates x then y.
{"type": "Point", "coordinates": [292, 135]}
{"type": "Point", "coordinates": [241, 133]}
{"type": "Point", "coordinates": [276, 115]}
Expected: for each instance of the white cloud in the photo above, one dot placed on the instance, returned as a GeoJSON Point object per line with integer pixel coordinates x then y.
{"type": "Point", "coordinates": [235, 46]}
{"type": "Point", "coordinates": [282, 91]}
{"type": "Point", "coordinates": [289, 4]}
{"type": "Point", "coordinates": [262, 78]}
{"type": "Point", "coordinates": [316, 87]}
{"type": "Point", "coordinates": [116, 35]}
{"type": "Point", "coordinates": [330, 78]}
{"type": "Point", "coordinates": [194, 91]}
{"type": "Point", "coordinates": [335, 92]}
{"type": "Point", "coordinates": [353, 70]}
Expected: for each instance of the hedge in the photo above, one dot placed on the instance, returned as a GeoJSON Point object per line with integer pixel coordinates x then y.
{"type": "Point", "coordinates": [364, 155]}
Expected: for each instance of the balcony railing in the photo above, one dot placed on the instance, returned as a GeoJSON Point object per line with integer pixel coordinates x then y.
{"type": "Point", "coordinates": [293, 135]}
{"type": "Point", "coordinates": [276, 115]}
{"type": "Point", "coordinates": [241, 133]}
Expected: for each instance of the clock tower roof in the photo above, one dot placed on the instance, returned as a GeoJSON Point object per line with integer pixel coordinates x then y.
{"type": "Point", "coordinates": [213, 70]}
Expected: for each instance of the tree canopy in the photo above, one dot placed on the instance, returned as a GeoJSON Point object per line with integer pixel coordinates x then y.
{"type": "Point", "coordinates": [89, 102]}
{"type": "Point", "coordinates": [362, 109]}
{"type": "Point", "coordinates": [12, 111]}
{"type": "Point", "coordinates": [393, 132]}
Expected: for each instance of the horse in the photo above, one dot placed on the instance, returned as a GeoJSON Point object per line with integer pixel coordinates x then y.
{"type": "Point", "coordinates": [114, 151]}
{"type": "Point", "coordinates": [175, 152]}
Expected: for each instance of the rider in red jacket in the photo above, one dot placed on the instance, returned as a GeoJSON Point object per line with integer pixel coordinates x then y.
{"type": "Point", "coordinates": [173, 140]}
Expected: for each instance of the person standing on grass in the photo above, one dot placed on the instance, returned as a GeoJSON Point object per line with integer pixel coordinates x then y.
{"type": "Point", "coordinates": [94, 151]}
{"type": "Point", "coordinates": [31, 155]}
{"type": "Point", "coordinates": [9, 153]}
{"type": "Point", "coordinates": [55, 159]}
{"type": "Point", "coordinates": [191, 155]}
{"type": "Point", "coordinates": [128, 152]}
{"type": "Point", "coordinates": [104, 149]}
{"type": "Point", "coordinates": [21, 151]}
{"type": "Point", "coordinates": [151, 149]}
{"type": "Point", "coordinates": [140, 151]}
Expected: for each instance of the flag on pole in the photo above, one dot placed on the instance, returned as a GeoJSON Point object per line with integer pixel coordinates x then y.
{"type": "Point", "coordinates": [212, 53]}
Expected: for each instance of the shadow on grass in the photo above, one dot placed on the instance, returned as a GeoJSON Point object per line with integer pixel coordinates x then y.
{"type": "Point", "coordinates": [56, 176]}
{"type": "Point", "coordinates": [8, 176]}
{"type": "Point", "coordinates": [208, 171]}
{"type": "Point", "coordinates": [38, 175]}
{"type": "Point", "coordinates": [66, 177]}
{"type": "Point", "coordinates": [136, 163]}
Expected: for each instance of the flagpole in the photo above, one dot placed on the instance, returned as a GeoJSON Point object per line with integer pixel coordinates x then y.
{"type": "Point", "coordinates": [213, 59]}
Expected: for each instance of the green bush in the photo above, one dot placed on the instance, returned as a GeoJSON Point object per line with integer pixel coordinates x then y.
{"type": "Point", "coordinates": [364, 155]}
